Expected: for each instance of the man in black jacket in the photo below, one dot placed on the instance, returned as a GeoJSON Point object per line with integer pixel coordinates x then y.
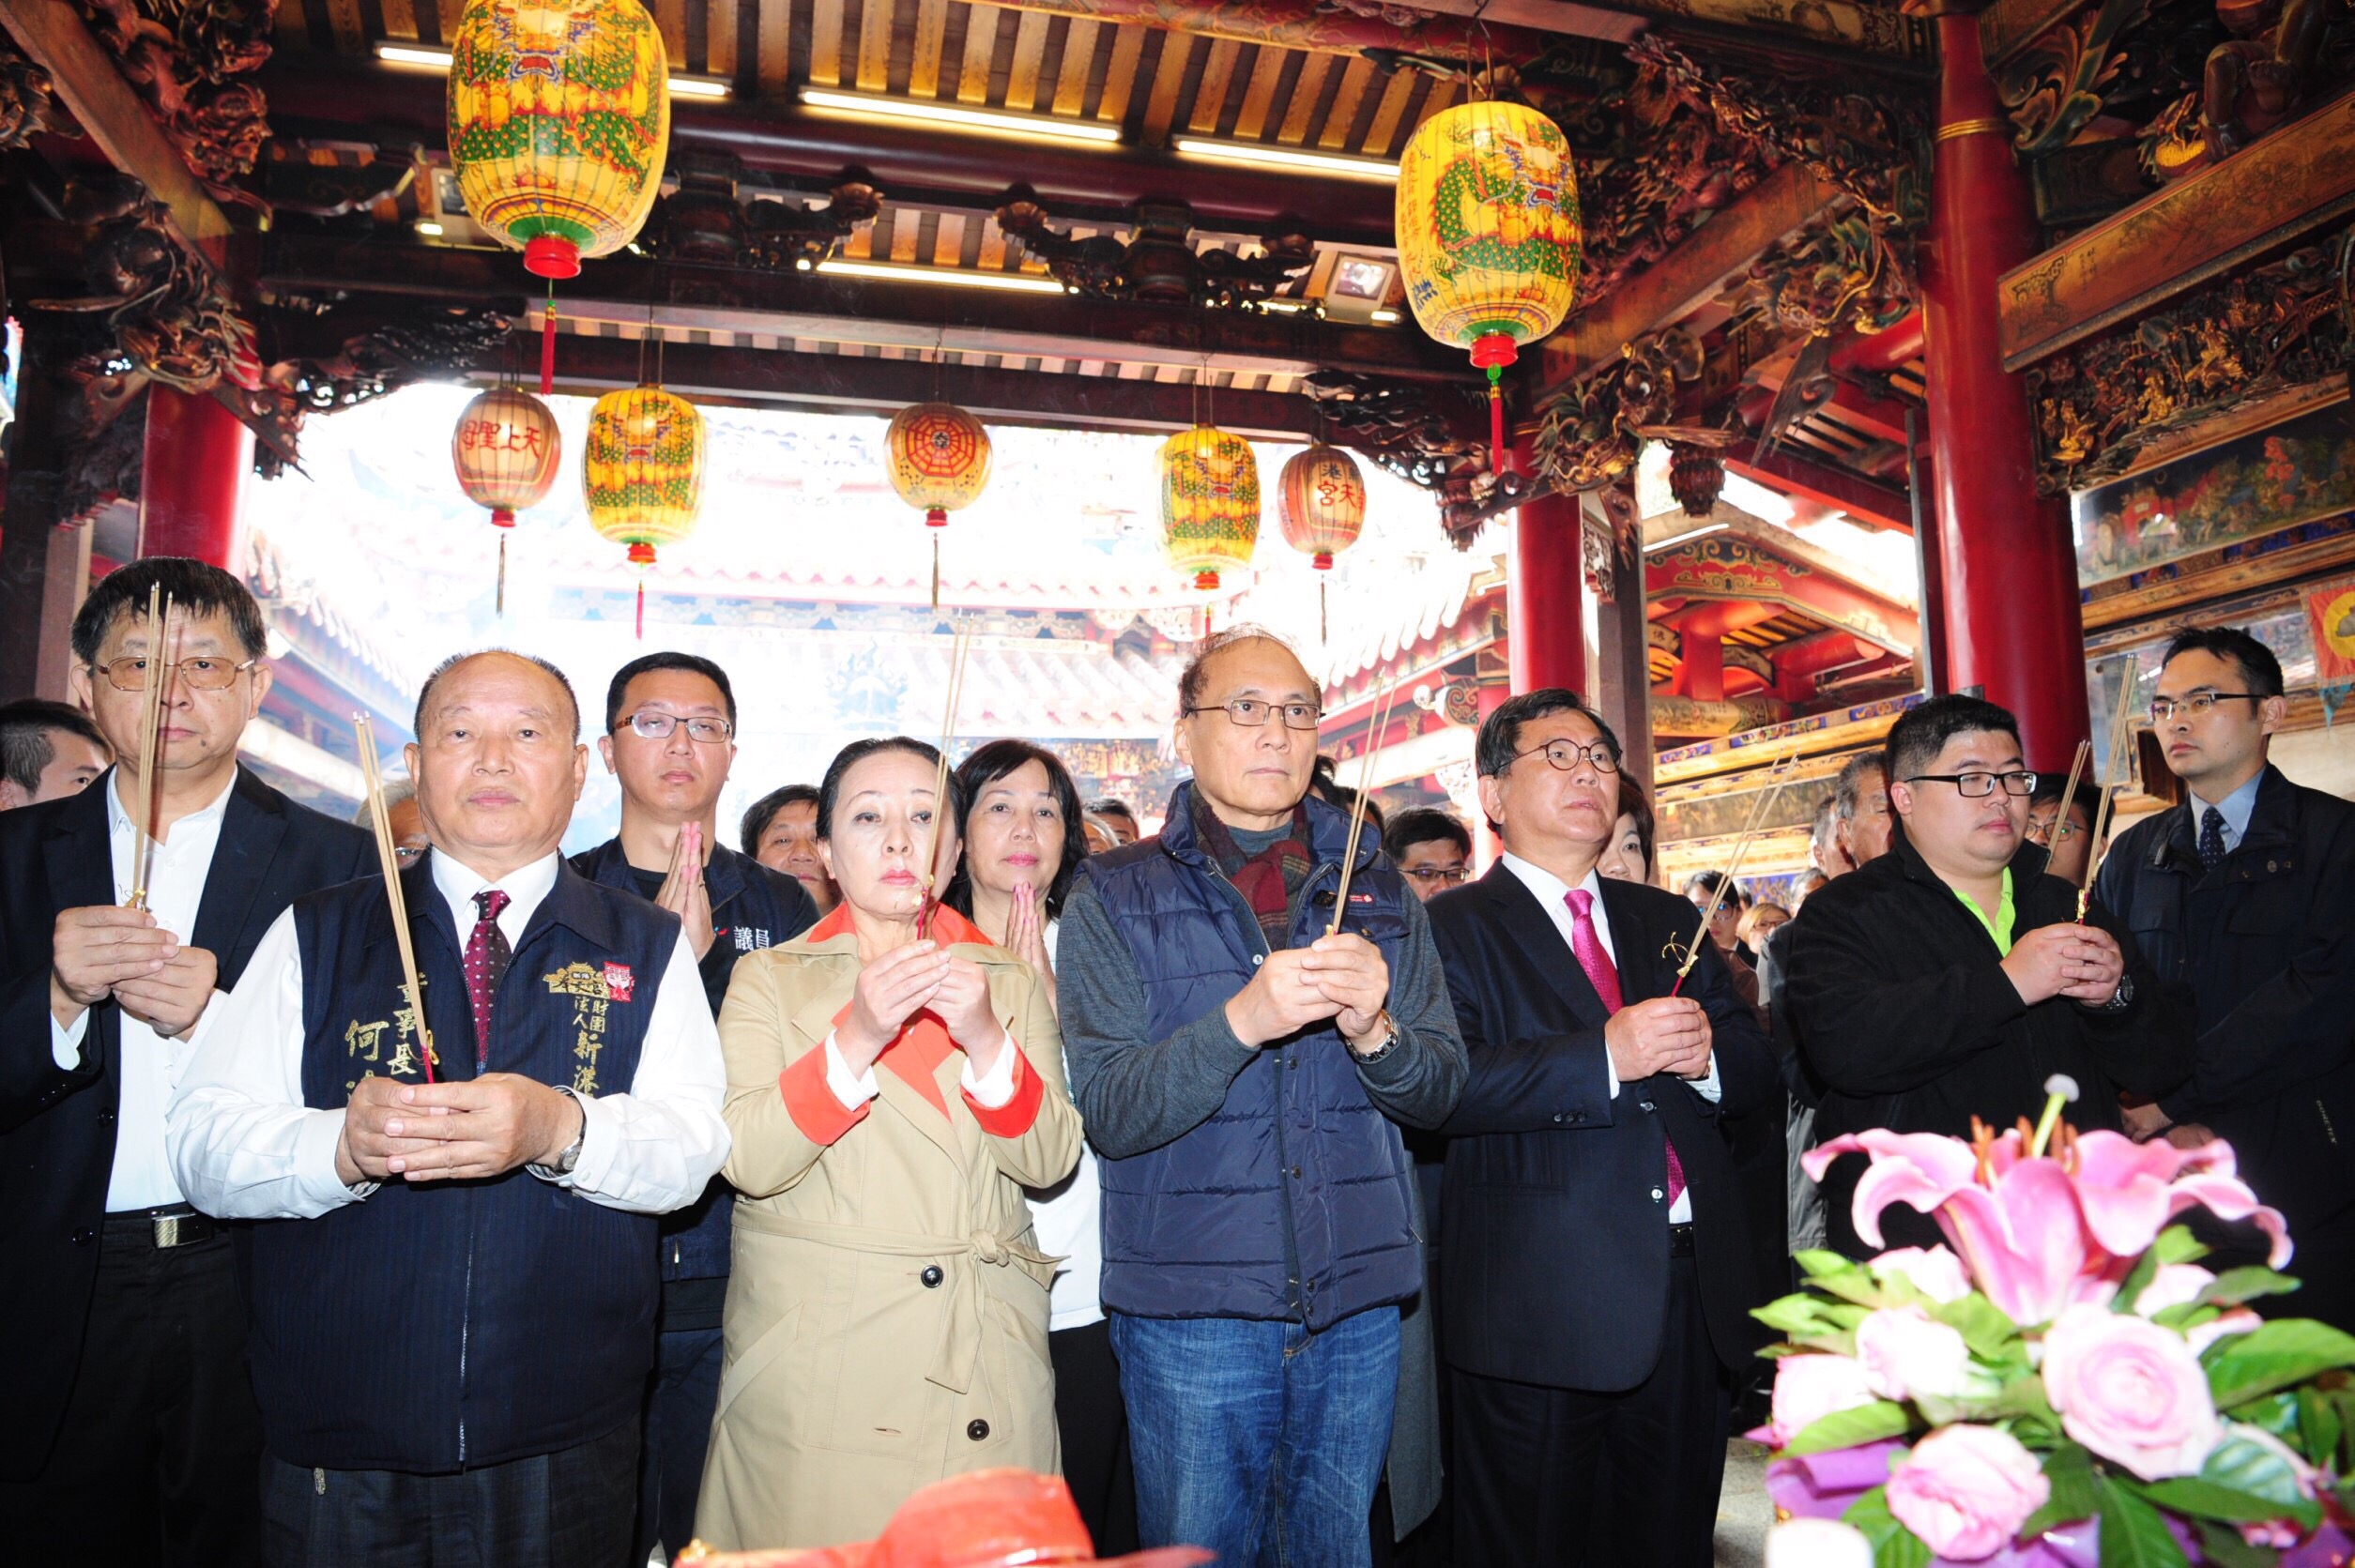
{"type": "Point", "coordinates": [1598, 1271]}
{"type": "Point", "coordinates": [1949, 978]}
{"type": "Point", "coordinates": [2245, 896]}
{"type": "Point", "coordinates": [130, 1434]}
{"type": "Point", "coordinates": [670, 738]}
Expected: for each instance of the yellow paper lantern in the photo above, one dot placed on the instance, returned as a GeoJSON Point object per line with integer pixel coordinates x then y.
{"type": "Point", "coordinates": [559, 119]}
{"type": "Point", "coordinates": [1210, 502]}
{"type": "Point", "coordinates": [937, 458]}
{"type": "Point", "coordinates": [1489, 235]}
{"type": "Point", "coordinates": [1320, 502]}
{"type": "Point", "coordinates": [642, 473]}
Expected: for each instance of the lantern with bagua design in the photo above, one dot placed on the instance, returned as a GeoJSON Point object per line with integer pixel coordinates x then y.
{"type": "Point", "coordinates": [937, 458]}
{"type": "Point", "coordinates": [506, 450]}
{"type": "Point", "coordinates": [1489, 240]}
{"type": "Point", "coordinates": [642, 474]}
{"type": "Point", "coordinates": [1210, 503]}
{"type": "Point", "coordinates": [560, 120]}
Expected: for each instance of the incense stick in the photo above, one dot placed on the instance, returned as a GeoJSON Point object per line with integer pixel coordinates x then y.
{"type": "Point", "coordinates": [1773, 785]}
{"type": "Point", "coordinates": [2121, 727]}
{"type": "Point", "coordinates": [151, 705]}
{"type": "Point", "coordinates": [389, 857]}
{"type": "Point", "coordinates": [957, 652]}
{"type": "Point", "coordinates": [1358, 812]}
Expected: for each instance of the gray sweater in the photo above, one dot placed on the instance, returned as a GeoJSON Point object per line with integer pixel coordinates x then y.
{"type": "Point", "coordinates": [1137, 1093]}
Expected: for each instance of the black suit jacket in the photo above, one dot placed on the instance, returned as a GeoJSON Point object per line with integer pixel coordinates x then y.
{"type": "Point", "coordinates": [57, 1125]}
{"type": "Point", "coordinates": [1557, 1266]}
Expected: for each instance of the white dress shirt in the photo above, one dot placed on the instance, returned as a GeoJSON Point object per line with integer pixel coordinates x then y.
{"type": "Point", "coordinates": [246, 1146]}
{"type": "Point", "coordinates": [1553, 895]}
{"type": "Point", "coordinates": [151, 1062]}
{"type": "Point", "coordinates": [2233, 807]}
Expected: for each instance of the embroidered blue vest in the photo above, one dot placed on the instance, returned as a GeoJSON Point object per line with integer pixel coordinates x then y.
{"type": "Point", "coordinates": [1291, 1202]}
{"type": "Point", "coordinates": [444, 1327]}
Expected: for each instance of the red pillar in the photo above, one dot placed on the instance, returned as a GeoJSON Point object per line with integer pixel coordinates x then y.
{"type": "Point", "coordinates": [1544, 628]}
{"type": "Point", "coordinates": [1703, 631]}
{"type": "Point", "coordinates": [2007, 570]}
{"type": "Point", "coordinates": [192, 472]}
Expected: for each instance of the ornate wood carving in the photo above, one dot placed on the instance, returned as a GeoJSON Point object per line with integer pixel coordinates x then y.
{"type": "Point", "coordinates": [1597, 558]}
{"type": "Point", "coordinates": [1425, 432]}
{"type": "Point", "coordinates": [293, 184]}
{"type": "Point", "coordinates": [1158, 263]}
{"type": "Point", "coordinates": [1647, 199]}
{"type": "Point", "coordinates": [431, 346]}
{"type": "Point", "coordinates": [171, 316]}
{"type": "Point", "coordinates": [1590, 432]}
{"type": "Point", "coordinates": [2283, 57]}
{"type": "Point", "coordinates": [1696, 477]}
{"type": "Point", "coordinates": [2246, 337]}
{"type": "Point", "coordinates": [2056, 86]}
{"type": "Point", "coordinates": [27, 106]}
{"type": "Point", "coordinates": [186, 58]}
{"type": "Point", "coordinates": [709, 222]}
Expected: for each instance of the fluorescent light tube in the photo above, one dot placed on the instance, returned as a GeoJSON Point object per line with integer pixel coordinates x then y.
{"type": "Point", "coordinates": [899, 272]}
{"type": "Point", "coordinates": [1260, 156]}
{"type": "Point", "coordinates": [960, 117]}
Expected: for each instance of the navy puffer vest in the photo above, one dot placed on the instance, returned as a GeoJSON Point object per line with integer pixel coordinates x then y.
{"type": "Point", "coordinates": [1291, 1202]}
{"type": "Point", "coordinates": [449, 1326]}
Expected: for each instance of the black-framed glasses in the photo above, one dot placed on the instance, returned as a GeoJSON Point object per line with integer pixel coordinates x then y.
{"type": "Point", "coordinates": [1251, 712]}
{"type": "Point", "coordinates": [1567, 755]}
{"type": "Point", "coordinates": [1449, 875]}
{"type": "Point", "coordinates": [2050, 834]}
{"type": "Point", "coordinates": [1977, 786]}
{"type": "Point", "coordinates": [2196, 705]}
{"type": "Point", "coordinates": [656, 726]}
{"type": "Point", "coordinates": [202, 673]}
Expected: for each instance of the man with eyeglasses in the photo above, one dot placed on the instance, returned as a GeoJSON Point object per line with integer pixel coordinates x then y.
{"type": "Point", "coordinates": [405, 817]}
{"type": "Point", "coordinates": [1431, 848]}
{"type": "Point", "coordinates": [1949, 978]}
{"type": "Point", "coordinates": [1596, 1275]}
{"type": "Point", "coordinates": [1240, 1069]}
{"type": "Point", "coordinates": [131, 1435]}
{"type": "Point", "coordinates": [2064, 829]}
{"type": "Point", "coordinates": [2245, 896]}
{"type": "Point", "coordinates": [670, 740]}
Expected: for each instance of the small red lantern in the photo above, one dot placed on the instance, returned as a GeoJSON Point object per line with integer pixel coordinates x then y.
{"type": "Point", "coordinates": [506, 450]}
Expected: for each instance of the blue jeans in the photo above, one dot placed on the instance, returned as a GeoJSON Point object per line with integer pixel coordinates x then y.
{"type": "Point", "coordinates": [1261, 1441]}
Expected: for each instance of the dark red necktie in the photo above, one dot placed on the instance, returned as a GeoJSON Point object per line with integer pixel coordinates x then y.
{"type": "Point", "coordinates": [1587, 943]}
{"type": "Point", "coordinates": [487, 955]}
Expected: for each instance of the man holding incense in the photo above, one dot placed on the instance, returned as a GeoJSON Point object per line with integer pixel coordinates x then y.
{"type": "Point", "coordinates": [1240, 1065]}
{"type": "Point", "coordinates": [130, 1434]}
{"type": "Point", "coordinates": [670, 738]}
{"type": "Point", "coordinates": [2245, 896]}
{"type": "Point", "coordinates": [455, 1283]}
{"type": "Point", "coordinates": [1949, 978]}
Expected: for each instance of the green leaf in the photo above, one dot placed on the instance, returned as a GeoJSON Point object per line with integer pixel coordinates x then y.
{"type": "Point", "coordinates": [2286, 1351]}
{"type": "Point", "coordinates": [1980, 1322]}
{"type": "Point", "coordinates": [2204, 1500]}
{"type": "Point", "coordinates": [1893, 1544]}
{"type": "Point", "coordinates": [2235, 1285]}
{"type": "Point", "coordinates": [2076, 1491]}
{"type": "Point", "coordinates": [2319, 1427]}
{"type": "Point", "coordinates": [2276, 1413]}
{"type": "Point", "coordinates": [2221, 1545]}
{"type": "Point", "coordinates": [2133, 1534]}
{"type": "Point", "coordinates": [2146, 1268]}
{"type": "Point", "coordinates": [1792, 1315]}
{"type": "Point", "coordinates": [2186, 1316]}
{"type": "Point", "coordinates": [2266, 1474]}
{"type": "Point", "coordinates": [2175, 1245]}
{"type": "Point", "coordinates": [1866, 1423]}
{"type": "Point", "coordinates": [1817, 1263]}
{"type": "Point", "coordinates": [1858, 1287]}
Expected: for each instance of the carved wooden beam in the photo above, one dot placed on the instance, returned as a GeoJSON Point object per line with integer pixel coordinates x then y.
{"type": "Point", "coordinates": [1876, 506]}
{"type": "Point", "coordinates": [52, 36]}
{"type": "Point", "coordinates": [1685, 278]}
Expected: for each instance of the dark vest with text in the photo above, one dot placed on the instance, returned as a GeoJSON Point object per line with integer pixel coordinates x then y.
{"type": "Point", "coordinates": [1291, 1202]}
{"type": "Point", "coordinates": [449, 1326]}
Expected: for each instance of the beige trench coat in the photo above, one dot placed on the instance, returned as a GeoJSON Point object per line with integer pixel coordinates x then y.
{"type": "Point", "coordinates": [847, 1380]}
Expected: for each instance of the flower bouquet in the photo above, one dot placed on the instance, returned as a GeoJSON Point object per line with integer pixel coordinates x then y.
{"type": "Point", "coordinates": [2066, 1387]}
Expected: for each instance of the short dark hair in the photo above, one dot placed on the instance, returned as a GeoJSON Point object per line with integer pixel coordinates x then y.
{"type": "Point", "coordinates": [1632, 802]}
{"type": "Point", "coordinates": [1325, 785]}
{"type": "Point", "coordinates": [193, 586]}
{"type": "Point", "coordinates": [425, 693]}
{"type": "Point", "coordinates": [1424, 825]}
{"type": "Point", "coordinates": [1709, 882]}
{"type": "Point", "coordinates": [25, 748]}
{"type": "Point", "coordinates": [2086, 798]}
{"type": "Point", "coordinates": [2259, 668]}
{"type": "Point", "coordinates": [667, 659]}
{"type": "Point", "coordinates": [764, 811]}
{"type": "Point", "coordinates": [1848, 794]}
{"type": "Point", "coordinates": [1111, 805]}
{"type": "Point", "coordinates": [1922, 733]}
{"type": "Point", "coordinates": [1500, 732]}
{"type": "Point", "coordinates": [830, 789]}
{"type": "Point", "coordinates": [1196, 668]}
{"type": "Point", "coordinates": [986, 765]}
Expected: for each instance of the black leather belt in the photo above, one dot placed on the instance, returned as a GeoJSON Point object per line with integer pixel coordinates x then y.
{"type": "Point", "coordinates": [174, 1225]}
{"type": "Point", "coordinates": [1680, 1240]}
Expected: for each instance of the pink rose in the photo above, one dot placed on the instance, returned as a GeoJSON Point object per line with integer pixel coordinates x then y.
{"type": "Point", "coordinates": [2172, 1285]}
{"type": "Point", "coordinates": [2238, 1320]}
{"type": "Point", "coordinates": [2130, 1391]}
{"type": "Point", "coordinates": [1904, 1353]}
{"type": "Point", "coordinates": [1966, 1491]}
{"type": "Point", "coordinates": [1934, 1272]}
{"type": "Point", "coordinates": [1809, 1388]}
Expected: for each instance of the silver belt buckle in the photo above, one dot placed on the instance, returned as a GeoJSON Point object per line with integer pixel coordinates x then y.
{"type": "Point", "coordinates": [168, 1229]}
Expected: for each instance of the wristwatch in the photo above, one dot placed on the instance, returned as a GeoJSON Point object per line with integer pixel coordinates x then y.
{"type": "Point", "coordinates": [2121, 998]}
{"type": "Point", "coordinates": [1389, 1043]}
{"type": "Point", "coordinates": [562, 1164]}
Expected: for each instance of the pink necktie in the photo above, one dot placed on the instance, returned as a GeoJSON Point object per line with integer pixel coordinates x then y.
{"type": "Point", "coordinates": [1587, 944]}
